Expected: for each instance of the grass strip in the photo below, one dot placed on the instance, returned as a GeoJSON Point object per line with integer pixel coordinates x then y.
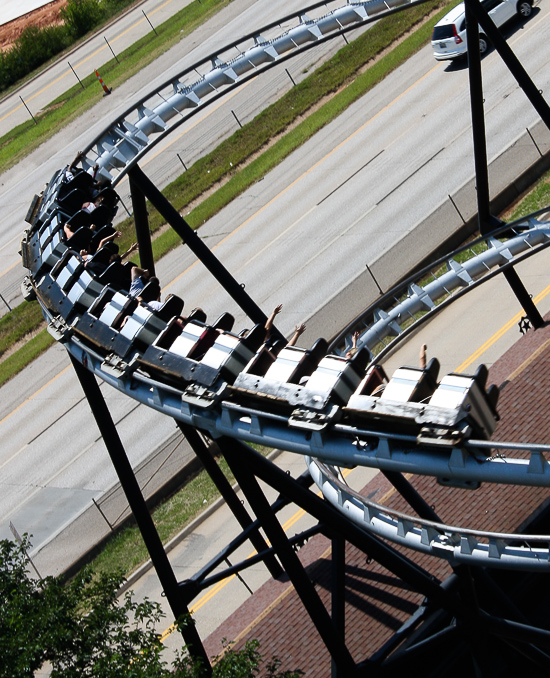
{"type": "Point", "coordinates": [339, 71]}
{"type": "Point", "coordinates": [537, 198]}
{"type": "Point", "coordinates": [25, 138]}
{"type": "Point", "coordinates": [18, 360]}
{"type": "Point", "coordinates": [126, 551]}
{"type": "Point", "coordinates": [20, 322]}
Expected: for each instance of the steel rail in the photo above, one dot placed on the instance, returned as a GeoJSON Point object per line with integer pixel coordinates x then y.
{"type": "Point", "coordinates": [458, 545]}
{"type": "Point", "coordinates": [149, 120]}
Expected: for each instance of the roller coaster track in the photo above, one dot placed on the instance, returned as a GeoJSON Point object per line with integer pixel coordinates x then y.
{"type": "Point", "coordinates": [144, 124]}
{"type": "Point", "coordinates": [306, 419]}
{"type": "Point", "coordinates": [332, 410]}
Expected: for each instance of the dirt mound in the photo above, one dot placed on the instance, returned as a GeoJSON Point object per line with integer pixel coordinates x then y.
{"type": "Point", "coordinates": [43, 16]}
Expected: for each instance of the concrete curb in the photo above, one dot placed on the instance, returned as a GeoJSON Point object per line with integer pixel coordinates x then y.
{"type": "Point", "coordinates": [189, 529]}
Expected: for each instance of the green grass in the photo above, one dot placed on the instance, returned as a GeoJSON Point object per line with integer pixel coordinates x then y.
{"type": "Point", "coordinates": [24, 356]}
{"type": "Point", "coordinates": [538, 198]}
{"type": "Point", "coordinates": [20, 322]}
{"type": "Point", "coordinates": [229, 160]}
{"type": "Point", "coordinates": [126, 550]}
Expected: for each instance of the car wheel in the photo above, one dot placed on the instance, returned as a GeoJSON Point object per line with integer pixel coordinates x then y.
{"type": "Point", "coordinates": [525, 8]}
{"type": "Point", "coordinates": [483, 44]}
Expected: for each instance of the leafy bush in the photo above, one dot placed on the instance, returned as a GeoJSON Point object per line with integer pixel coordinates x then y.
{"type": "Point", "coordinates": [80, 16]}
{"type": "Point", "coordinates": [84, 628]}
{"type": "Point", "coordinates": [114, 6]}
{"type": "Point", "coordinates": [36, 46]}
{"type": "Point", "coordinates": [33, 48]}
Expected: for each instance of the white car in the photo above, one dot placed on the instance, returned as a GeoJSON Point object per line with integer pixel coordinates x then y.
{"type": "Point", "coordinates": [449, 35]}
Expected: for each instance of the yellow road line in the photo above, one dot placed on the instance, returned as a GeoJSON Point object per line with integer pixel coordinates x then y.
{"type": "Point", "coordinates": [33, 396]}
{"type": "Point", "coordinates": [497, 335]}
{"type": "Point", "coordinates": [222, 584]}
{"type": "Point", "coordinates": [16, 263]}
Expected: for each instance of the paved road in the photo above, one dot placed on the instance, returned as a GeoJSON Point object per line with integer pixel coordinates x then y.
{"type": "Point", "coordinates": [296, 237]}
{"type": "Point", "coordinates": [61, 478]}
{"type": "Point", "coordinates": [85, 58]}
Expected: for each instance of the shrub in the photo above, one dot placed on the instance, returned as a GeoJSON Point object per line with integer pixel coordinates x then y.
{"type": "Point", "coordinates": [80, 16]}
{"type": "Point", "coordinates": [37, 45]}
{"type": "Point", "coordinates": [84, 628]}
{"type": "Point", "coordinates": [34, 47]}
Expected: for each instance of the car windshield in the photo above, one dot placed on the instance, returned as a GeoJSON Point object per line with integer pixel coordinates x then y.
{"type": "Point", "coordinates": [443, 32]}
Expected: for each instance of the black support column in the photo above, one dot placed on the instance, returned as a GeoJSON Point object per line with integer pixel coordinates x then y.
{"type": "Point", "coordinates": [294, 568]}
{"type": "Point", "coordinates": [523, 296]}
{"type": "Point", "coordinates": [141, 220]}
{"type": "Point", "coordinates": [478, 122]}
{"type": "Point", "coordinates": [139, 509]}
{"type": "Point", "coordinates": [532, 92]}
{"type": "Point", "coordinates": [338, 585]}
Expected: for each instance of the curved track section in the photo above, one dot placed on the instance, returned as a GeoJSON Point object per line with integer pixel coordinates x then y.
{"type": "Point", "coordinates": [145, 123]}
{"type": "Point", "coordinates": [404, 308]}
{"type": "Point", "coordinates": [341, 411]}
{"type": "Point", "coordinates": [456, 544]}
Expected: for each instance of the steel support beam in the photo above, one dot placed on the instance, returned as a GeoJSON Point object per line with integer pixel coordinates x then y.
{"type": "Point", "coordinates": [140, 511]}
{"type": "Point", "coordinates": [197, 581]}
{"type": "Point", "coordinates": [463, 575]}
{"type": "Point", "coordinates": [233, 451]}
{"type": "Point", "coordinates": [422, 651]}
{"type": "Point", "coordinates": [478, 123]}
{"type": "Point", "coordinates": [197, 584]}
{"type": "Point", "coordinates": [411, 496]}
{"type": "Point", "coordinates": [523, 297]}
{"type": "Point", "coordinates": [338, 593]}
{"type": "Point", "coordinates": [391, 559]}
{"type": "Point", "coordinates": [476, 15]}
{"type": "Point", "coordinates": [141, 220]}
{"type": "Point", "coordinates": [515, 631]}
{"type": "Point", "coordinates": [227, 492]}
{"type": "Point", "coordinates": [197, 246]}
{"type": "Point", "coordinates": [513, 64]}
